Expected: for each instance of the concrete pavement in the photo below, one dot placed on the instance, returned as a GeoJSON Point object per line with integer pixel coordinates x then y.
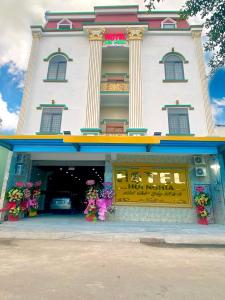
{"type": "Point", "coordinates": [76, 228]}
{"type": "Point", "coordinates": [78, 270]}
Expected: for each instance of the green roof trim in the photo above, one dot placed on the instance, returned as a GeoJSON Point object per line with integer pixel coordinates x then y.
{"type": "Point", "coordinates": [52, 105]}
{"type": "Point", "coordinates": [168, 29]}
{"type": "Point", "coordinates": [62, 29]}
{"type": "Point", "coordinates": [180, 134]}
{"type": "Point", "coordinates": [196, 26]}
{"type": "Point", "coordinates": [136, 130]}
{"type": "Point", "coordinates": [37, 27]}
{"type": "Point", "coordinates": [54, 29]}
{"type": "Point", "coordinates": [91, 130]}
{"type": "Point", "coordinates": [116, 6]}
{"type": "Point", "coordinates": [48, 133]}
{"type": "Point", "coordinates": [58, 53]}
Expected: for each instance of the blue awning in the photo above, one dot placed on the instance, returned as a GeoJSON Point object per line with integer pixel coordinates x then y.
{"type": "Point", "coordinates": [129, 144]}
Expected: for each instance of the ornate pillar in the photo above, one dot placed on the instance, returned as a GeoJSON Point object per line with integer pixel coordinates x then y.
{"type": "Point", "coordinates": [196, 35]}
{"type": "Point", "coordinates": [36, 34]}
{"type": "Point", "coordinates": [135, 36]}
{"type": "Point", "coordinates": [94, 83]}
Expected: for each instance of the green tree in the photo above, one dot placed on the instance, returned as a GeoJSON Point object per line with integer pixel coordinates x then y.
{"type": "Point", "coordinates": [213, 14]}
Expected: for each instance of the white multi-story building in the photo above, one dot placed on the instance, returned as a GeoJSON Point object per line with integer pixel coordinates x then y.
{"type": "Point", "coordinates": [119, 95]}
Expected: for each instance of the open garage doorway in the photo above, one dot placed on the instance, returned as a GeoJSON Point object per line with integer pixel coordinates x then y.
{"type": "Point", "coordinates": [64, 187]}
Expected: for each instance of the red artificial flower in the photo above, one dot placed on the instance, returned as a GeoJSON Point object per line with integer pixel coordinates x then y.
{"type": "Point", "coordinates": [24, 205]}
{"type": "Point", "coordinates": [200, 209]}
{"type": "Point", "coordinates": [11, 205]}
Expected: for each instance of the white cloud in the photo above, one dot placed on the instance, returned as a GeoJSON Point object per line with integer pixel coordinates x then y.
{"type": "Point", "coordinates": [218, 110]}
{"type": "Point", "coordinates": [9, 119]}
{"type": "Point", "coordinates": [16, 16]}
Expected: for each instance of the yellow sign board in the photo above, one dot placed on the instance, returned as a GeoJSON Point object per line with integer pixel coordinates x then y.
{"type": "Point", "coordinates": [151, 185]}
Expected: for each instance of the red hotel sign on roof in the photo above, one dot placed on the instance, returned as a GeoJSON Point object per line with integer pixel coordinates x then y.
{"type": "Point", "coordinates": [115, 39]}
{"type": "Point", "coordinates": [115, 36]}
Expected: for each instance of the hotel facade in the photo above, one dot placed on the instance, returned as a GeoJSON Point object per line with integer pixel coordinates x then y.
{"type": "Point", "coordinates": [119, 95]}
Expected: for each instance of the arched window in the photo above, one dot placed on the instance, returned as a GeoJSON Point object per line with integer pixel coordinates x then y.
{"type": "Point", "coordinates": [174, 69]}
{"type": "Point", "coordinates": [57, 68]}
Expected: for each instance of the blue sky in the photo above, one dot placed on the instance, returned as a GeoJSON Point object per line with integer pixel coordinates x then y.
{"type": "Point", "coordinates": [217, 95]}
{"type": "Point", "coordinates": [15, 47]}
{"type": "Point", "coordinates": [10, 87]}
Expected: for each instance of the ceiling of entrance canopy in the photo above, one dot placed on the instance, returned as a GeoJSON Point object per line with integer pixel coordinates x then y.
{"type": "Point", "coordinates": [112, 54]}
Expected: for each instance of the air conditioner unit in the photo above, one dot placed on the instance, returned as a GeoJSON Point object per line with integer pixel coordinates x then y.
{"type": "Point", "coordinates": [200, 171]}
{"type": "Point", "coordinates": [199, 160]}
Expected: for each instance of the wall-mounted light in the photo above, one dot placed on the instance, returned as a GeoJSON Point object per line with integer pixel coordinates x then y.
{"type": "Point", "coordinates": [215, 167]}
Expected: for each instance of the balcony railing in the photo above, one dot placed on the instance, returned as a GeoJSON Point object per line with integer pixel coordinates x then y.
{"type": "Point", "coordinates": [114, 87]}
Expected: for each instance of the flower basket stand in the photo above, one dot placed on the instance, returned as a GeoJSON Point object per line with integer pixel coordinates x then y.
{"type": "Point", "coordinates": [13, 218]}
{"type": "Point", "coordinates": [32, 213]}
{"type": "Point", "coordinates": [203, 221]}
{"type": "Point", "coordinates": [91, 218]}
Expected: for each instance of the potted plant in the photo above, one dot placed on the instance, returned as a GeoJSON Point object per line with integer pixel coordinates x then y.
{"type": "Point", "coordinates": [33, 201]}
{"type": "Point", "coordinates": [14, 197]}
{"type": "Point", "coordinates": [202, 200]}
{"type": "Point", "coordinates": [104, 204]}
{"type": "Point", "coordinates": [91, 197]}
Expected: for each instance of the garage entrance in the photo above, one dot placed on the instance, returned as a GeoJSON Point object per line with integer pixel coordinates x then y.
{"type": "Point", "coordinates": [64, 187]}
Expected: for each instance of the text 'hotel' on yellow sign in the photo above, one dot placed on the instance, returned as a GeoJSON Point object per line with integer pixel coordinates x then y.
{"type": "Point", "coordinates": [152, 185]}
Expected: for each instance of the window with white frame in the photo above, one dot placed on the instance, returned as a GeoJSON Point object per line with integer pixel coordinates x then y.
{"type": "Point", "coordinates": [51, 120]}
{"type": "Point", "coordinates": [169, 23]}
{"type": "Point", "coordinates": [178, 120]}
{"type": "Point", "coordinates": [64, 24]}
{"type": "Point", "coordinates": [57, 68]}
{"type": "Point", "coordinates": [174, 69]}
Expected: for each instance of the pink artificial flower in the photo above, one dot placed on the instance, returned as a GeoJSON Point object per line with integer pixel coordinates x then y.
{"type": "Point", "coordinates": [29, 185]}
{"type": "Point", "coordinates": [90, 182]}
{"type": "Point", "coordinates": [19, 184]}
{"type": "Point", "coordinates": [199, 189]}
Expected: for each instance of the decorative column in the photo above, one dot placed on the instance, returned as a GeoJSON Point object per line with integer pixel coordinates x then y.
{"type": "Point", "coordinates": [36, 34]}
{"type": "Point", "coordinates": [196, 35]}
{"type": "Point", "coordinates": [108, 176]}
{"type": "Point", "coordinates": [135, 36]}
{"type": "Point", "coordinates": [5, 183]}
{"type": "Point", "coordinates": [94, 83]}
{"type": "Point", "coordinates": [218, 189]}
